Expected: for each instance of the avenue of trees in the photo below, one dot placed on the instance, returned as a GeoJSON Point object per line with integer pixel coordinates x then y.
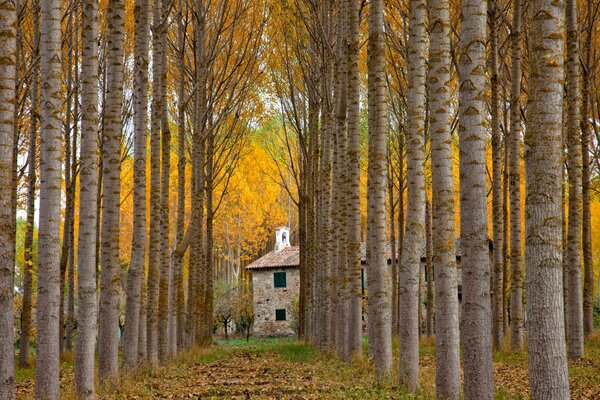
{"type": "Point", "coordinates": [149, 148]}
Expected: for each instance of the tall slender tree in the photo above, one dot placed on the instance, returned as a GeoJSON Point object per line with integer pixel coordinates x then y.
{"type": "Point", "coordinates": [354, 338]}
{"type": "Point", "coordinates": [48, 303]}
{"type": "Point", "coordinates": [573, 139]}
{"type": "Point", "coordinates": [442, 189]}
{"type": "Point", "coordinates": [8, 47]}
{"type": "Point", "coordinates": [409, 274]}
{"type": "Point", "coordinates": [154, 239]}
{"type": "Point", "coordinates": [516, 259]}
{"type": "Point", "coordinates": [497, 222]}
{"type": "Point", "coordinates": [108, 321]}
{"type": "Point", "coordinates": [379, 277]}
{"type": "Point", "coordinates": [165, 264]}
{"type": "Point", "coordinates": [86, 312]}
{"type": "Point", "coordinates": [548, 373]}
{"type": "Point", "coordinates": [138, 244]}
{"type": "Point", "coordinates": [476, 305]}
{"type": "Point", "coordinates": [31, 185]}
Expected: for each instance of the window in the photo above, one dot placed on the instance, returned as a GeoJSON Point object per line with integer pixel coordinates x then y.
{"type": "Point", "coordinates": [280, 314]}
{"type": "Point", "coordinates": [279, 280]}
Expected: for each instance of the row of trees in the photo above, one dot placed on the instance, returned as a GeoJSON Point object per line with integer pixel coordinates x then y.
{"type": "Point", "coordinates": [67, 65]}
{"type": "Point", "coordinates": [440, 79]}
{"type": "Point", "coordinates": [76, 74]}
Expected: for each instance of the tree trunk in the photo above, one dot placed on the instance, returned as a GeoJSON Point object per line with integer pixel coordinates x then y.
{"type": "Point", "coordinates": [380, 302]}
{"type": "Point", "coordinates": [86, 257]}
{"type": "Point", "coordinates": [165, 263]}
{"type": "Point", "coordinates": [70, 330]}
{"type": "Point", "coordinates": [573, 251]}
{"type": "Point", "coordinates": [548, 374]}
{"type": "Point", "coordinates": [409, 273]}
{"type": "Point", "coordinates": [429, 268]}
{"type": "Point", "coordinates": [497, 223]}
{"type": "Point", "coordinates": [588, 264]}
{"type": "Point", "coordinates": [181, 161]}
{"type": "Point", "coordinates": [442, 189]}
{"type": "Point", "coordinates": [8, 75]}
{"type": "Point", "coordinates": [108, 340]}
{"type": "Point", "coordinates": [516, 261]}
{"type": "Point", "coordinates": [353, 186]}
{"type": "Point", "coordinates": [476, 304]}
{"type": "Point", "coordinates": [138, 243]}
{"type": "Point", "coordinates": [154, 255]}
{"type": "Point", "coordinates": [31, 182]}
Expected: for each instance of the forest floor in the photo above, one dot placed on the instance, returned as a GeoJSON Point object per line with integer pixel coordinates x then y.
{"type": "Point", "coordinates": [286, 369]}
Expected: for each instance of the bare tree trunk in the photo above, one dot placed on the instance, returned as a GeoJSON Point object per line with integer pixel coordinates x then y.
{"type": "Point", "coordinates": [165, 263]}
{"type": "Point", "coordinates": [67, 225]}
{"type": "Point", "coordinates": [506, 226]}
{"type": "Point", "coordinates": [138, 243]}
{"type": "Point", "coordinates": [516, 260]}
{"type": "Point", "coordinates": [8, 75]}
{"type": "Point", "coordinates": [443, 207]}
{"type": "Point", "coordinates": [410, 267]}
{"type": "Point", "coordinates": [154, 255]}
{"type": "Point", "coordinates": [476, 304]}
{"type": "Point", "coordinates": [548, 374]}
{"type": "Point", "coordinates": [429, 268]}
{"type": "Point", "coordinates": [181, 162]}
{"type": "Point", "coordinates": [353, 175]}
{"type": "Point", "coordinates": [31, 182]}
{"type": "Point", "coordinates": [48, 305]}
{"type": "Point", "coordinates": [573, 251]}
{"type": "Point", "coordinates": [497, 223]}
{"type": "Point", "coordinates": [88, 192]}
{"type": "Point", "coordinates": [401, 218]}
{"type": "Point", "coordinates": [588, 264]}
{"type": "Point", "coordinates": [340, 186]}
{"type": "Point", "coordinates": [108, 341]}
{"type": "Point", "coordinates": [380, 302]}
{"type": "Point", "coordinates": [70, 329]}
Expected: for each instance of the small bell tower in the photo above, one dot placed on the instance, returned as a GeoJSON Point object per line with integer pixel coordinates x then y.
{"type": "Point", "coordinates": [282, 238]}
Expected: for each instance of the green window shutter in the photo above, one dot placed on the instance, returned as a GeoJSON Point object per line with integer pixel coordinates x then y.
{"type": "Point", "coordinates": [279, 280]}
{"type": "Point", "coordinates": [280, 314]}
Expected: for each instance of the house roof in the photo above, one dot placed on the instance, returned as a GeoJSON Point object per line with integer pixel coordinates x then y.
{"type": "Point", "coordinates": [289, 257]}
{"type": "Point", "coordinates": [285, 258]}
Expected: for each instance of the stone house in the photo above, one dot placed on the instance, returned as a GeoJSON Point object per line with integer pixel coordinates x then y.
{"type": "Point", "coordinates": [276, 282]}
{"type": "Point", "coordinates": [276, 285]}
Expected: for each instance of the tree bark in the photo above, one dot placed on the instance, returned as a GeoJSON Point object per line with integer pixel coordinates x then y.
{"type": "Point", "coordinates": [380, 302]}
{"type": "Point", "coordinates": [31, 182]}
{"type": "Point", "coordinates": [429, 267]}
{"type": "Point", "coordinates": [573, 251]}
{"type": "Point", "coordinates": [442, 188]}
{"type": "Point", "coordinates": [548, 374]}
{"type": "Point", "coordinates": [353, 176]}
{"type": "Point", "coordinates": [516, 260]}
{"type": "Point", "coordinates": [476, 304]}
{"type": "Point", "coordinates": [154, 255]}
{"type": "Point", "coordinates": [48, 306]}
{"type": "Point", "coordinates": [588, 264]}
{"type": "Point", "coordinates": [497, 222]}
{"type": "Point", "coordinates": [88, 192]}
{"type": "Point", "coordinates": [108, 322]}
{"type": "Point", "coordinates": [165, 257]}
{"type": "Point", "coordinates": [138, 243]}
{"type": "Point", "coordinates": [8, 75]}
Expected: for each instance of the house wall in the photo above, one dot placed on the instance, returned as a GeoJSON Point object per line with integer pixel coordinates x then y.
{"type": "Point", "coordinates": [268, 298]}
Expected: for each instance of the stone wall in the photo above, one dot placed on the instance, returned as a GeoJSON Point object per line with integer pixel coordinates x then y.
{"type": "Point", "coordinates": [268, 298]}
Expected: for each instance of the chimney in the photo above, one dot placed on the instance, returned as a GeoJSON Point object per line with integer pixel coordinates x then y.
{"type": "Point", "coordinates": [282, 238]}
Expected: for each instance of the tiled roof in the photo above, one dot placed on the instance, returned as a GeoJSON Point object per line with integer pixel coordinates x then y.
{"type": "Point", "coordinates": [290, 256]}
{"type": "Point", "coordinates": [284, 258]}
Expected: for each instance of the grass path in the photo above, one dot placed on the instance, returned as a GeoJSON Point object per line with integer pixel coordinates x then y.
{"type": "Point", "coordinates": [285, 369]}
